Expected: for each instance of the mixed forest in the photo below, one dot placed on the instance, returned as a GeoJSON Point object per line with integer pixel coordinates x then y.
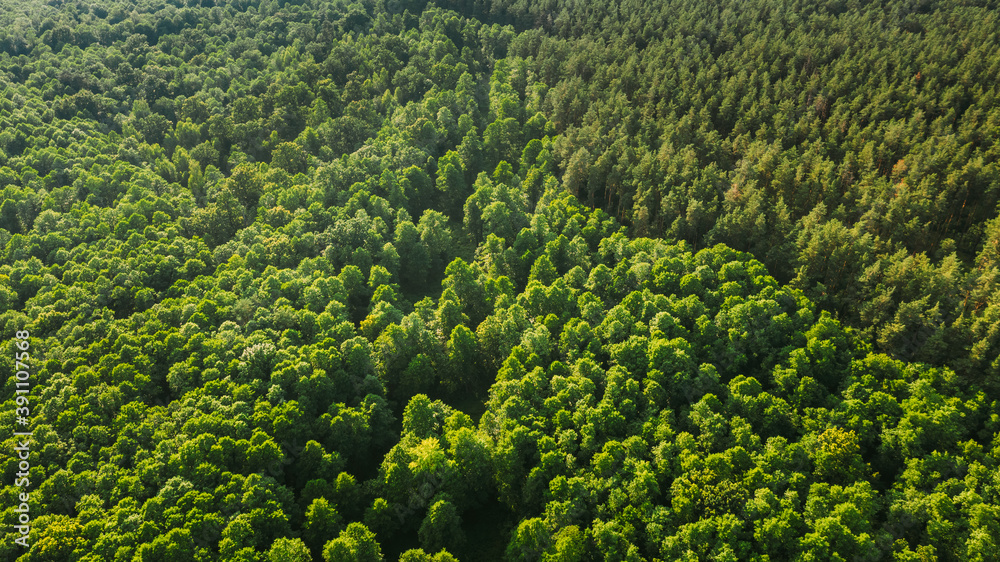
{"type": "Point", "coordinates": [622, 280]}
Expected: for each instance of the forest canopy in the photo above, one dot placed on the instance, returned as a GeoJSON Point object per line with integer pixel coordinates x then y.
{"type": "Point", "coordinates": [501, 280]}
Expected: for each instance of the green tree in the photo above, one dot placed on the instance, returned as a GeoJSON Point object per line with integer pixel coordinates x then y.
{"type": "Point", "coordinates": [355, 543]}
{"type": "Point", "coordinates": [441, 528]}
{"type": "Point", "coordinates": [289, 550]}
{"type": "Point", "coordinates": [322, 521]}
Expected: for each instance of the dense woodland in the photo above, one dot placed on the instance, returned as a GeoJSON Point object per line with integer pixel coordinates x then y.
{"type": "Point", "coordinates": [503, 280]}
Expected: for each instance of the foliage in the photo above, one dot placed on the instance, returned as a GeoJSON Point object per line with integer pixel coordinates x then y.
{"type": "Point", "coordinates": [502, 279]}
